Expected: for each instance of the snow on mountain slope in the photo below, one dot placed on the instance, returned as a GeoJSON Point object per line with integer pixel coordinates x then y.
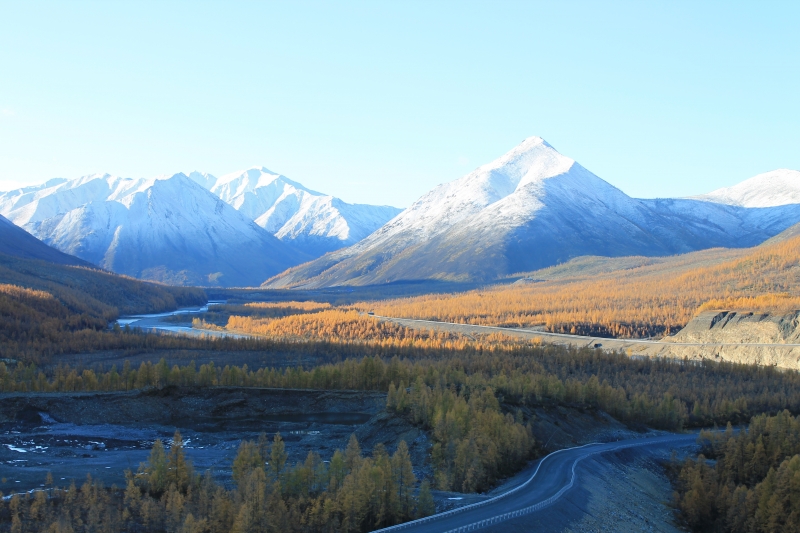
{"type": "Point", "coordinates": [459, 201]}
{"type": "Point", "coordinates": [771, 189]}
{"type": "Point", "coordinates": [165, 229]}
{"type": "Point", "coordinates": [203, 179]}
{"type": "Point", "coordinates": [311, 221]}
{"type": "Point", "coordinates": [530, 208]}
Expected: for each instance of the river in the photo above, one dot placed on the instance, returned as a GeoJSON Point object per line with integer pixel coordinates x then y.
{"type": "Point", "coordinates": [155, 322]}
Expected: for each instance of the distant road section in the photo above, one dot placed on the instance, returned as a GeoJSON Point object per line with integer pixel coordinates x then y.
{"type": "Point", "coordinates": [566, 339]}
{"type": "Point", "coordinates": [552, 477]}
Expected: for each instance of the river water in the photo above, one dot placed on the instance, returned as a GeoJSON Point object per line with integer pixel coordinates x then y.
{"type": "Point", "coordinates": [155, 322]}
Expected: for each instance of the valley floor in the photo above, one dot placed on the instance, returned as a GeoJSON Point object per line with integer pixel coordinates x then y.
{"type": "Point", "coordinates": [785, 355]}
{"type": "Point", "coordinates": [103, 434]}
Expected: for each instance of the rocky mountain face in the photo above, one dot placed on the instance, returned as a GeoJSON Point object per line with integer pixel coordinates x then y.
{"type": "Point", "coordinates": [532, 208]}
{"type": "Point", "coordinates": [312, 222]}
{"type": "Point", "coordinates": [732, 327]}
{"type": "Point", "coordinates": [167, 229]}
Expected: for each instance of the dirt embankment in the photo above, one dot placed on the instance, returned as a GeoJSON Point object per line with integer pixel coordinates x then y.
{"type": "Point", "coordinates": [758, 338]}
{"type": "Point", "coordinates": [210, 409]}
{"type": "Point", "coordinates": [751, 328]}
{"type": "Point", "coordinates": [102, 434]}
{"type": "Point", "coordinates": [719, 335]}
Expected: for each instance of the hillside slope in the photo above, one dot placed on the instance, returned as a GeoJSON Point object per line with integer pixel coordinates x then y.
{"type": "Point", "coordinates": [93, 292]}
{"type": "Point", "coordinates": [626, 297]}
{"type": "Point", "coordinates": [48, 308]}
{"type": "Point", "coordinates": [18, 242]}
{"type": "Point", "coordinates": [529, 209]}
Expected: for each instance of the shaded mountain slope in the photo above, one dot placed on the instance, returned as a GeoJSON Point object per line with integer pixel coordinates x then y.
{"type": "Point", "coordinates": [18, 242]}
{"type": "Point", "coordinates": [48, 309]}
{"type": "Point", "coordinates": [94, 293]}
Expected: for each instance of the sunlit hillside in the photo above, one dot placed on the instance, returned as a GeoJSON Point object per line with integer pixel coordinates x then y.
{"type": "Point", "coordinates": [627, 297]}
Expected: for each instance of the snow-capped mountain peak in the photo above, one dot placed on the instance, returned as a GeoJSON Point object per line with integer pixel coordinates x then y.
{"type": "Point", "coordinates": [312, 221]}
{"type": "Point", "coordinates": [770, 189]}
{"type": "Point", "coordinates": [513, 184]}
{"type": "Point", "coordinates": [255, 190]}
{"type": "Point", "coordinates": [534, 207]}
{"type": "Point", "coordinates": [533, 160]}
{"type": "Point", "coordinates": [167, 228]}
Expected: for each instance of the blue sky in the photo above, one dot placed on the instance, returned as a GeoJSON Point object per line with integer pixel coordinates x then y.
{"type": "Point", "coordinates": [378, 102]}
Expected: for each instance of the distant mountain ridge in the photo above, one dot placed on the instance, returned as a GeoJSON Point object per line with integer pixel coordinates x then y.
{"type": "Point", "coordinates": [167, 229]}
{"type": "Point", "coordinates": [532, 208]}
{"type": "Point", "coordinates": [181, 233]}
{"type": "Point", "coordinates": [311, 221]}
{"type": "Point", "coordinates": [770, 189]}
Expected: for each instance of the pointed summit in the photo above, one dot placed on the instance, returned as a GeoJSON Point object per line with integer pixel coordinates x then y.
{"type": "Point", "coordinates": [204, 179]}
{"type": "Point", "coordinates": [530, 208]}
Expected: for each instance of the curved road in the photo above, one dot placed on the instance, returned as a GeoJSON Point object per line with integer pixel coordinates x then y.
{"type": "Point", "coordinates": [578, 340]}
{"type": "Point", "coordinates": [553, 476]}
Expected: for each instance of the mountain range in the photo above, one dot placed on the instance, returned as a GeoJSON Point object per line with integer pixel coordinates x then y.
{"type": "Point", "coordinates": [534, 207]}
{"type": "Point", "coordinates": [167, 229]}
{"type": "Point", "coordinates": [531, 208]}
{"type": "Point", "coordinates": [237, 230]}
{"type": "Point", "coordinates": [312, 222]}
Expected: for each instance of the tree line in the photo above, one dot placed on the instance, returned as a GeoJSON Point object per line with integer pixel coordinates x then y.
{"type": "Point", "coordinates": [335, 325]}
{"type": "Point", "coordinates": [753, 483]}
{"type": "Point", "coordinates": [655, 297]}
{"type": "Point", "coordinates": [663, 393]}
{"type": "Point", "coordinates": [349, 493]}
{"type": "Point", "coordinates": [475, 444]}
{"type": "Point", "coordinates": [217, 315]}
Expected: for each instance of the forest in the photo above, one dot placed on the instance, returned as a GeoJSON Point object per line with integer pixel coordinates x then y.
{"type": "Point", "coordinates": [349, 493]}
{"type": "Point", "coordinates": [47, 309]}
{"type": "Point", "coordinates": [624, 298]}
{"type": "Point", "coordinates": [475, 401]}
{"type": "Point", "coordinates": [663, 393]}
{"type": "Point", "coordinates": [745, 481]}
{"type": "Point", "coordinates": [474, 396]}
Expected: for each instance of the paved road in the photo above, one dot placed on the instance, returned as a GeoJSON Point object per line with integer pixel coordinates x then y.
{"type": "Point", "coordinates": [578, 340]}
{"type": "Point", "coordinates": [553, 476]}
